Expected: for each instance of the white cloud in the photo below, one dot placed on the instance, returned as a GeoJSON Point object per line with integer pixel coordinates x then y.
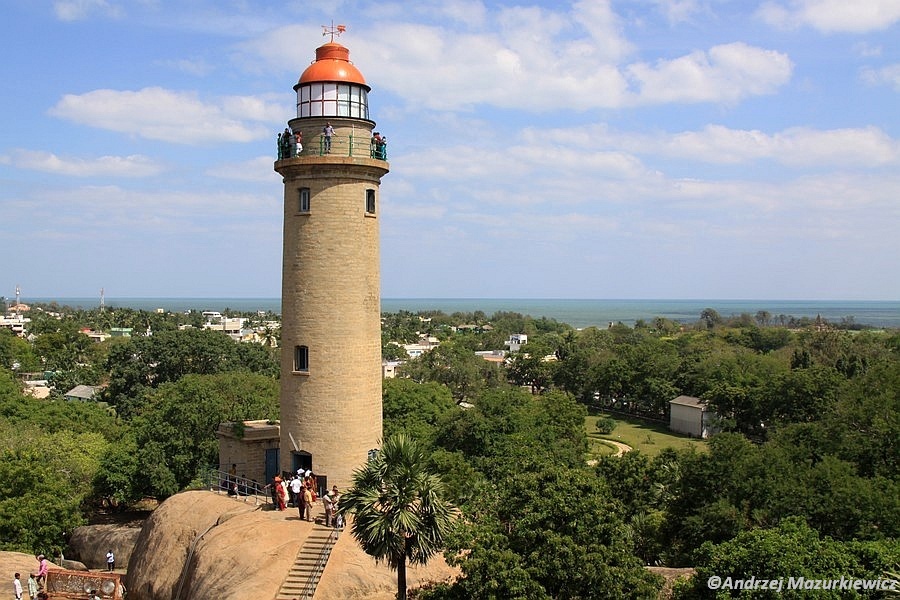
{"type": "Point", "coordinates": [889, 75]}
{"type": "Point", "coordinates": [89, 211]}
{"type": "Point", "coordinates": [797, 146]}
{"type": "Point", "coordinates": [533, 59]}
{"type": "Point", "coordinates": [76, 10]}
{"type": "Point", "coordinates": [198, 67]}
{"type": "Point", "coordinates": [678, 11]}
{"type": "Point", "coordinates": [470, 12]}
{"type": "Point", "coordinates": [180, 117]}
{"type": "Point", "coordinates": [832, 16]}
{"type": "Point", "coordinates": [606, 31]}
{"type": "Point", "coordinates": [569, 75]}
{"type": "Point", "coordinates": [725, 73]}
{"type": "Point", "coordinates": [867, 50]}
{"type": "Point", "coordinates": [259, 170]}
{"type": "Point", "coordinates": [103, 166]}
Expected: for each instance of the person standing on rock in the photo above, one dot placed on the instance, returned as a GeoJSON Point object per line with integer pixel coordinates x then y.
{"type": "Point", "coordinates": [110, 561]}
{"type": "Point", "coordinates": [17, 587]}
{"type": "Point", "coordinates": [301, 500]}
{"type": "Point", "coordinates": [279, 493]}
{"type": "Point", "coordinates": [32, 586]}
{"type": "Point", "coordinates": [296, 488]}
{"type": "Point", "coordinates": [337, 519]}
{"type": "Point", "coordinates": [43, 567]}
{"type": "Point", "coordinates": [328, 501]}
{"type": "Point", "coordinates": [307, 503]}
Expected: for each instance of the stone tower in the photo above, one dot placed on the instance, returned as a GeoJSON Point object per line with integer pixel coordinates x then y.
{"type": "Point", "coordinates": [331, 297]}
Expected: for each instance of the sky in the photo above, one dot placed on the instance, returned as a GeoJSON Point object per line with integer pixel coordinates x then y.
{"type": "Point", "coordinates": [660, 149]}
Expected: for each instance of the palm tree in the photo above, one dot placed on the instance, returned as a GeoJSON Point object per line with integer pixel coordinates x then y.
{"type": "Point", "coordinates": [399, 513]}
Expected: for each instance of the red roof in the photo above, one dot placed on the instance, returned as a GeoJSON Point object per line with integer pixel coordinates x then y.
{"type": "Point", "coordinates": [332, 64]}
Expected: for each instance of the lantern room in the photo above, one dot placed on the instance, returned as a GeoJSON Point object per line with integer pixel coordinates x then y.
{"type": "Point", "coordinates": [332, 87]}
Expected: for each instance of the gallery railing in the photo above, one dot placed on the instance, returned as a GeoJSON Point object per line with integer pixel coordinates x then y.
{"type": "Point", "coordinates": [340, 145]}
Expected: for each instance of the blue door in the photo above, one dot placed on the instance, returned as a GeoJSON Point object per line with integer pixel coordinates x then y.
{"type": "Point", "coordinates": [271, 464]}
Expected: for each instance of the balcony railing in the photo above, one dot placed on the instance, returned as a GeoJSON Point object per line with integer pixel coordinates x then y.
{"type": "Point", "coordinates": [339, 145]}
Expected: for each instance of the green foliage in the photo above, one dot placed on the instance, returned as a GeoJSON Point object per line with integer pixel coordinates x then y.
{"type": "Point", "coordinates": [530, 365]}
{"type": "Point", "coordinates": [116, 481]}
{"type": "Point", "coordinates": [792, 549]}
{"type": "Point", "coordinates": [456, 366]}
{"type": "Point", "coordinates": [148, 362]}
{"type": "Point", "coordinates": [510, 430]}
{"type": "Point", "coordinates": [399, 511]}
{"type": "Point", "coordinates": [65, 347]}
{"type": "Point", "coordinates": [173, 436]}
{"type": "Point", "coordinates": [737, 486]}
{"type": "Point", "coordinates": [15, 351]}
{"type": "Point", "coordinates": [547, 533]}
{"type": "Point", "coordinates": [52, 416]}
{"type": "Point", "coordinates": [45, 478]}
{"type": "Point", "coordinates": [415, 408]}
{"type": "Point", "coordinates": [710, 318]}
{"type": "Point", "coordinates": [863, 426]}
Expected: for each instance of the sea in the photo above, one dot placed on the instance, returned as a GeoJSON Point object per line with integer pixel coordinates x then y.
{"type": "Point", "coordinates": [575, 312]}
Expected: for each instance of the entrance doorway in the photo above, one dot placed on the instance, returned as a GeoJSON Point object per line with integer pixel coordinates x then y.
{"type": "Point", "coordinates": [301, 460]}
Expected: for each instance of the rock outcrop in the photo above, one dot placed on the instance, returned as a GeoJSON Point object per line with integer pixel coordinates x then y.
{"type": "Point", "coordinates": [204, 545]}
{"type": "Point", "coordinates": [90, 543]}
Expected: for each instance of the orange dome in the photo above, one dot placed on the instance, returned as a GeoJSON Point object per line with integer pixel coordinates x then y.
{"type": "Point", "coordinates": [332, 64]}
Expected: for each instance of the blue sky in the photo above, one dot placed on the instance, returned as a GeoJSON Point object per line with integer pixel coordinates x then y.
{"type": "Point", "coordinates": [590, 149]}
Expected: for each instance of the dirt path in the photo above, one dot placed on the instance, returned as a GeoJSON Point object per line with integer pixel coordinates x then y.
{"type": "Point", "coordinates": [620, 449]}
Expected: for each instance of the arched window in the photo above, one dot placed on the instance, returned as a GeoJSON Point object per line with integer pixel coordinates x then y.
{"type": "Point", "coordinates": [301, 359]}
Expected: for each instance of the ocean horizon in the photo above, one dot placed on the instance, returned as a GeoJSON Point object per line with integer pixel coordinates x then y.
{"type": "Point", "coordinates": [575, 312]}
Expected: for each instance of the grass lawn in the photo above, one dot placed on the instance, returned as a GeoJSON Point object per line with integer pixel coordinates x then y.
{"type": "Point", "coordinates": [649, 438]}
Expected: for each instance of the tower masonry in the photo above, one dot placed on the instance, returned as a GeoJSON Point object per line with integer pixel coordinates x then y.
{"type": "Point", "coordinates": [331, 298]}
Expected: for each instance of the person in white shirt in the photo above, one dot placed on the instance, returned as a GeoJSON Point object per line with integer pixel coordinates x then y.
{"type": "Point", "coordinates": [17, 587]}
{"type": "Point", "coordinates": [296, 487]}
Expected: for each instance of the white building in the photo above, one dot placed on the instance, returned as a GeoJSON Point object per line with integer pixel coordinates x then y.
{"type": "Point", "coordinates": [691, 416]}
{"type": "Point", "coordinates": [516, 341]}
{"type": "Point", "coordinates": [15, 322]}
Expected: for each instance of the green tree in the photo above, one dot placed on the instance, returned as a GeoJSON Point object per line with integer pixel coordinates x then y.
{"type": "Point", "coordinates": [455, 365]}
{"type": "Point", "coordinates": [710, 318]}
{"type": "Point", "coordinates": [174, 435]}
{"type": "Point", "coordinates": [147, 362]}
{"type": "Point", "coordinates": [16, 353]}
{"type": "Point", "coordinates": [792, 549]}
{"type": "Point", "coordinates": [415, 408]}
{"type": "Point", "coordinates": [45, 479]}
{"type": "Point", "coordinates": [534, 364]}
{"type": "Point", "coordinates": [399, 511]}
{"type": "Point", "coordinates": [548, 533]}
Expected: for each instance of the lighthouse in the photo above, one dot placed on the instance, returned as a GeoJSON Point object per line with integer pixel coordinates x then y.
{"type": "Point", "coordinates": [331, 299]}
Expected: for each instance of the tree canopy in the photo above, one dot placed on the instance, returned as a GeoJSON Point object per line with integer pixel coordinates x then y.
{"type": "Point", "coordinates": [399, 513]}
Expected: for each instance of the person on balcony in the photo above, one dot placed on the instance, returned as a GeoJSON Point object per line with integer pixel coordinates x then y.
{"type": "Point", "coordinates": [328, 133]}
{"type": "Point", "coordinates": [379, 143]}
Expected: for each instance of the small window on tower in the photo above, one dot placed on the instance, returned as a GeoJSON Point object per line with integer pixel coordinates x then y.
{"type": "Point", "coordinates": [370, 202]}
{"type": "Point", "coordinates": [304, 200]}
{"type": "Point", "coordinates": [301, 359]}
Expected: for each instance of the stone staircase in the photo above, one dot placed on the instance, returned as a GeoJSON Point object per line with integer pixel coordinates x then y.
{"type": "Point", "coordinates": [302, 579]}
